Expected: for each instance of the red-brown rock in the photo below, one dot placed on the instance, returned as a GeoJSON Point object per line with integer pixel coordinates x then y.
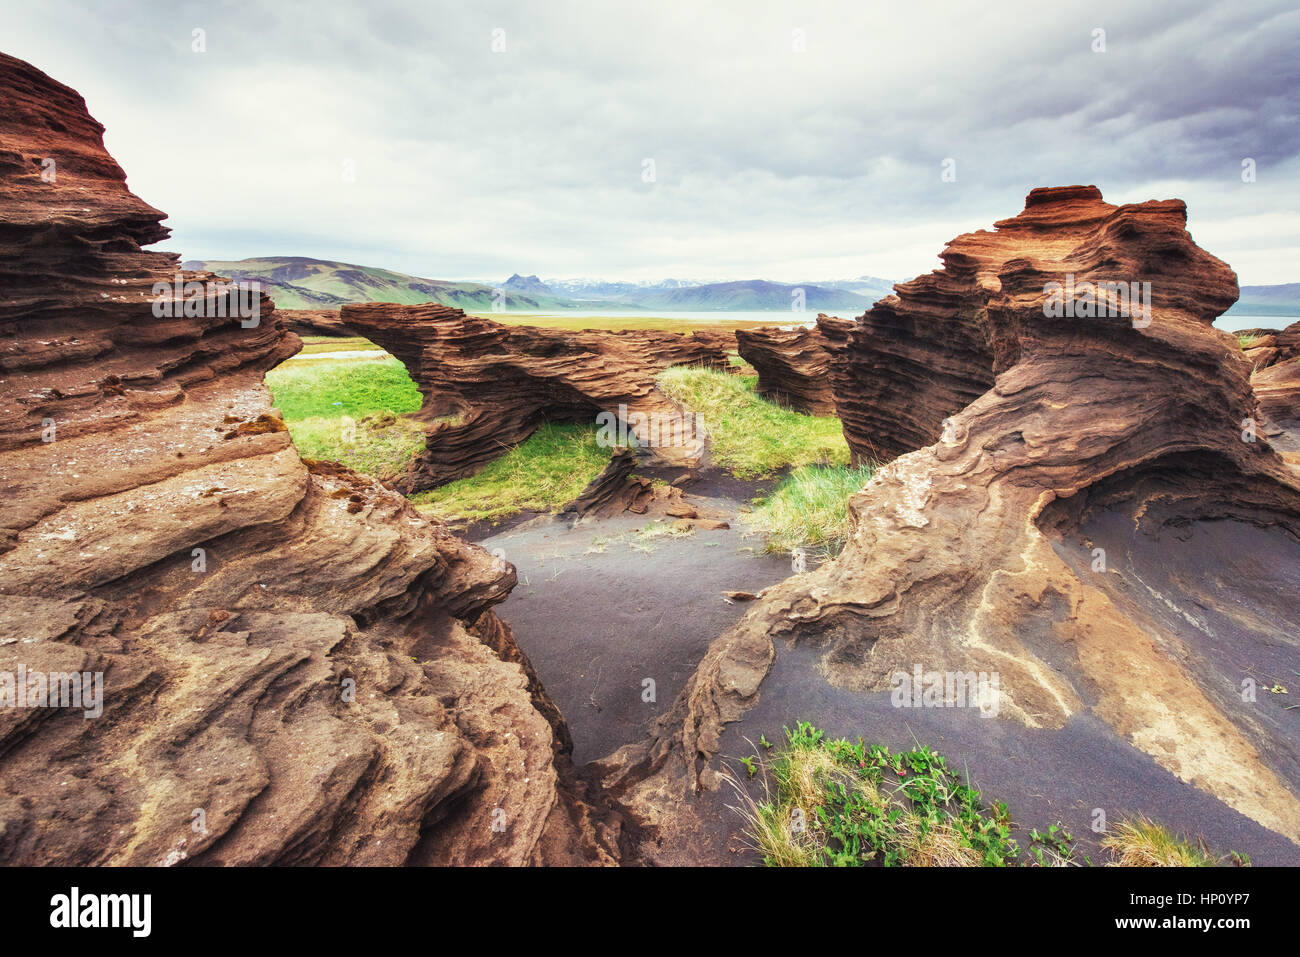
{"type": "Point", "coordinates": [314, 322]}
{"type": "Point", "coordinates": [296, 668]}
{"type": "Point", "coordinates": [793, 366]}
{"type": "Point", "coordinates": [488, 386]}
{"type": "Point", "coordinates": [977, 552]}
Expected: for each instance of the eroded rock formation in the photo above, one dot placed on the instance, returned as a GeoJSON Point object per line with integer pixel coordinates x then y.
{"type": "Point", "coordinates": [314, 322]}
{"type": "Point", "coordinates": [1278, 389]}
{"type": "Point", "coordinates": [488, 386]}
{"type": "Point", "coordinates": [296, 668]}
{"type": "Point", "coordinates": [1095, 524]}
{"type": "Point", "coordinates": [793, 366]}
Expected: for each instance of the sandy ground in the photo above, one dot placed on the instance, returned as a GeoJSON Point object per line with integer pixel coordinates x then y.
{"type": "Point", "coordinates": [1044, 776]}
{"type": "Point", "coordinates": [600, 610]}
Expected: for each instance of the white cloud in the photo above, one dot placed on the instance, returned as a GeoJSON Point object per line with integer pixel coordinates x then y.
{"type": "Point", "coordinates": [769, 162]}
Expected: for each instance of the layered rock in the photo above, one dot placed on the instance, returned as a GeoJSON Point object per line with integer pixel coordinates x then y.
{"type": "Point", "coordinates": [315, 322]}
{"type": "Point", "coordinates": [1278, 390]}
{"type": "Point", "coordinates": [1266, 347]}
{"type": "Point", "coordinates": [1040, 537]}
{"type": "Point", "coordinates": [488, 386]}
{"type": "Point", "coordinates": [295, 667]}
{"type": "Point", "coordinates": [793, 366]}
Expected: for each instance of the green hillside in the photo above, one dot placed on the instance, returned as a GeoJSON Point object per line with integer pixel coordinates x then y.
{"type": "Point", "coordinates": [295, 282]}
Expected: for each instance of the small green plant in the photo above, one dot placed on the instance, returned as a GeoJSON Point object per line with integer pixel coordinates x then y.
{"type": "Point", "coordinates": [1053, 848]}
{"type": "Point", "coordinates": [543, 473]}
{"type": "Point", "coordinates": [835, 802]}
{"type": "Point", "coordinates": [752, 437]}
{"type": "Point", "coordinates": [809, 509]}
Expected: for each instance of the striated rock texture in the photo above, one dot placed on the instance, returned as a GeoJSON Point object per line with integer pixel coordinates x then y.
{"type": "Point", "coordinates": [1267, 347]}
{"type": "Point", "coordinates": [979, 553]}
{"type": "Point", "coordinates": [296, 668]}
{"type": "Point", "coordinates": [1275, 357]}
{"type": "Point", "coordinates": [488, 386]}
{"type": "Point", "coordinates": [314, 322]}
{"type": "Point", "coordinates": [793, 366]}
{"type": "Point", "coordinates": [1278, 390]}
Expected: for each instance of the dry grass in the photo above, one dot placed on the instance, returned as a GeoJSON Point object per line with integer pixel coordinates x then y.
{"type": "Point", "coordinates": [1140, 842]}
{"type": "Point", "coordinates": [802, 775]}
{"type": "Point", "coordinates": [929, 843]}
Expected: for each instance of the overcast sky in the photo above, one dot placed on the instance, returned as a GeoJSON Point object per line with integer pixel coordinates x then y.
{"type": "Point", "coordinates": [769, 160]}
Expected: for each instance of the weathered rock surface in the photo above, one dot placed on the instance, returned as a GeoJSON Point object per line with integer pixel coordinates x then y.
{"type": "Point", "coordinates": [793, 366]}
{"type": "Point", "coordinates": [488, 386]}
{"type": "Point", "coordinates": [618, 489]}
{"type": "Point", "coordinates": [978, 553]}
{"type": "Point", "coordinates": [314, 322]}
{"type": "Point", "coordinates": [1278, 390]}
{"type": "Point", "coordinates": [296, 667]}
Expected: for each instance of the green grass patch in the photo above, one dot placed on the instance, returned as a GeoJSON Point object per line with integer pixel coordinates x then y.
{"type": "Point", "coordinates": [809, 509]}
{"type": "Point", "coordinates": [339, 387]}
{"type": "Point", "coordinates": [849, 804]}
{"type": "Point", "coordinates": [840, 803]}
{"type": "Point", "coordinates": [543, 473]}
{"type": "Point", "coordinates": [350, 411]}
{"type": "Point", "coordinates": [312, 345]}
{"type": "Point", "coordinates": [751, 436]}
{"type": "Point", "coordinates": [381, 444]}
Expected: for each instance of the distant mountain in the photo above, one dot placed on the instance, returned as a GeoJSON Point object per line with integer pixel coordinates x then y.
{"type": "Point", "coordinates": [611, 290]}
{"type": "Point", "coordinates": [754, 295]}
{"type": "Point", "coordinates": [295, 282]}
{"type": "Point", "coordinates": [527, 284]}
{"type": "Point", "coordinates": [1279, 300]}
{"type": "Point", "coordinates": [873, 287]}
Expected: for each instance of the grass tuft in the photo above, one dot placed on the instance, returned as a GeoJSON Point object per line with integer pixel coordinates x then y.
{"type": "Point", "coordinates": [751, 436]}
{"type": "Point", "coordinates": [1140, 842]}
{"type": "Point", "coordinates": [809, 509]}
{"type": "Point", "coordinates": [543, 473]}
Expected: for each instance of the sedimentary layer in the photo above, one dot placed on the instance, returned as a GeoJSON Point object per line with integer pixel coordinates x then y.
{"type": "Point", "coordinates": [793, 366]}
{"type": "Point", "coordinates": [487, 386]}
{"type": "Point", "coordinates": [295, 667]}
{"type": "Point", "coordinates": [1038, 534]}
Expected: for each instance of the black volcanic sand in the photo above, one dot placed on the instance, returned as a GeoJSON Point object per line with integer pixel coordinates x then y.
{"type": "Point", "coordinates": [596, 623]}
{"type": "Point", "coordinates": [597, 614]}
{"type": "Point", "coordinates": [1044, 776]}
{"type": "Point", "coordinates": [1048, 776]}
